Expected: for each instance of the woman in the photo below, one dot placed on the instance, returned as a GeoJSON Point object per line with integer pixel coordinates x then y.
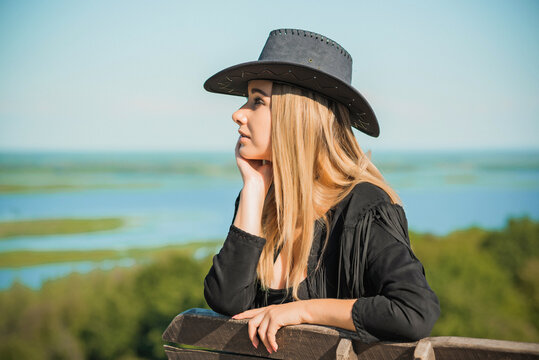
{"type": "Point", "coordinates": [318, 236]}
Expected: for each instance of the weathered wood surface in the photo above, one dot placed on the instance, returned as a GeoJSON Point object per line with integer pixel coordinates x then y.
{"type": "Point", "coordinates": [181, 354]}
{"type": "Point", "coordinates": [454, 347]}
{"type": "Point", "coordinates": [207, 329]}
{"type": "Point", "coordinates": [220, 337]}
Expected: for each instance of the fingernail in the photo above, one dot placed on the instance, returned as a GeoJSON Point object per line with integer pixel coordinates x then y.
{"type": "Point", "coordinates": [276, 347]}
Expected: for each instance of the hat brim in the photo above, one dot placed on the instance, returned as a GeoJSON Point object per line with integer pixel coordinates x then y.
{"type": "Point", "coordinates": [233, 81]}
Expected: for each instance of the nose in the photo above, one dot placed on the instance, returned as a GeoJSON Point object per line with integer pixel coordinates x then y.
{"type": "Point", "coordinates": [239, 117]}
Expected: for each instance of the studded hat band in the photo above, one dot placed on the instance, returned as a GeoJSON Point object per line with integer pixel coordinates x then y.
{"type": "Point", "coordinates": [305, 59]}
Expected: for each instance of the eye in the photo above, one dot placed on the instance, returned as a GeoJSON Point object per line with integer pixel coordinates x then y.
{"type": "Point", "coordinates": [257, 100]}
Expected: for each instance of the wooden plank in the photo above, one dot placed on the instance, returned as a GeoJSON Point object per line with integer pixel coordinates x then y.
{"type": "Point", "coordinates": [384, 350]}
{"type": "Point", "coordinates": [205, 328]}
{"type": "Point", "coordinates": [455, 347]}
{"type": "Point", "coordinates": [192, 354]}
{"type": "Point", "coordinates": [208, 329]}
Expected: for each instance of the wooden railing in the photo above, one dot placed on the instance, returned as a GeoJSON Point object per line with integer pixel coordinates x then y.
{"type": "Point", "coordinates": [205, 334]}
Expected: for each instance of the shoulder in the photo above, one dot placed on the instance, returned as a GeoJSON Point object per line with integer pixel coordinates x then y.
{"type": "Point", "coordinates": [370, 207]}
{"type": "Point", "coordinates": [368, 192]}
{"type": "Point", "coordinates": [363, 197]}
{"type": "Point", "coordinates": [373, 225]}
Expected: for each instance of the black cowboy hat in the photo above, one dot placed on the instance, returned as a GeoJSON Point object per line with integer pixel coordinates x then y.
{"type": "Point", "coordinates": [305, 59]}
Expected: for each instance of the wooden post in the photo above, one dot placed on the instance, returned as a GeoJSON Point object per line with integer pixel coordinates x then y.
{"type": "Point", "coordinates": [424, 350]}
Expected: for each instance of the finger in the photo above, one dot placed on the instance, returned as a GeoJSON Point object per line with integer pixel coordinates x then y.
{"type": "Point", "coordinates": [248, 313]}
{"type": "Point", "coordinates": [273, 327]}
{"type": "Point", "coordinates": [252, 327]}
{"type": "Point", "coordinates": [262, 333]}
{"type": "Point", "coordinates": [240, 315]}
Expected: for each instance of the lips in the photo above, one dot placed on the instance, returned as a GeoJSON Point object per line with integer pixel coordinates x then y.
{"type": "Point", "coordinates": [243, 135]}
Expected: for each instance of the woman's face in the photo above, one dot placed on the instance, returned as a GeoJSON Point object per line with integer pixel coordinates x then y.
{"type": "Point", "coordinates": [254, 120]}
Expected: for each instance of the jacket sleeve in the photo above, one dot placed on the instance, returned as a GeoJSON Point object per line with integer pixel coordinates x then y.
{"type": "Point", "coordinates": [230, 285]}
{"type": "Point", "coordinates": [398, 303]}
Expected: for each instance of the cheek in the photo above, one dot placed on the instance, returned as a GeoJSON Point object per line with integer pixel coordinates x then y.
{"type": "Point", "coordinates": [267, 137]}
{"type": "Point", "coordinates": [268, 131]}
{"type": "Point", "coordinates": [263, 134]}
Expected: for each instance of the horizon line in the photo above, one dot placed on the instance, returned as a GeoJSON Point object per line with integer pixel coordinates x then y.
{"type": "Point", "coordinates": [222, 151]}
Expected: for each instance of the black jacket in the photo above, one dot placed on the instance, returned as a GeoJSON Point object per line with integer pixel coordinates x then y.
{"type": "Point", "coordinates": [369, 237]}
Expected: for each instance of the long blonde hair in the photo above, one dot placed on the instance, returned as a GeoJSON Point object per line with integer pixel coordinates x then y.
{"type": "Point", "coordinates": [316, 162]}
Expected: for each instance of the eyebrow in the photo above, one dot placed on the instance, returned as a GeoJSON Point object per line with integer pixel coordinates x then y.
{"type": "Point", "coordinates": [260, 91]}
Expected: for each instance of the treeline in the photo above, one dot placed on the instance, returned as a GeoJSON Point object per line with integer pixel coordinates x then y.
{"type": "Point", "coordinates": [116, 314]}
{"type": "Point", "coordinates": [487, 282]}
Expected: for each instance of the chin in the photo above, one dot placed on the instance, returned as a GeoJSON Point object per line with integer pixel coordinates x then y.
{"type": "Point", "coordinates": [249, 155]}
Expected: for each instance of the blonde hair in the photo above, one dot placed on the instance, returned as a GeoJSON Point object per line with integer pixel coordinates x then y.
{"type": "Point", "coordinates": [316, 162]}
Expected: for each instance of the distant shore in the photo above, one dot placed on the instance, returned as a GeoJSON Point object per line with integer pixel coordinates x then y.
{"type": "Point", "coordinates": [38, 227]}
{"type": "Point", "coordinates": [58, 226]}
{"type": "Point", "coordinates": [26, 258]}
{"type": "Point", "coordinates": [16, 188]}
{"type": "Point", "coordinates": [23, 258]}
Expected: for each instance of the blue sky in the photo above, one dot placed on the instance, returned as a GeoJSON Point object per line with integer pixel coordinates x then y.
{"type": "Point", "coordinates": [128, 75]}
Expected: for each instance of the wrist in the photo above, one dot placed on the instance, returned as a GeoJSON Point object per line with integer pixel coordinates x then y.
{"type": "Point", "coordinates": [254, 194]}
{"type": "Point", "coordinates": [254, 187]}
{"type": "Point", "coordinates": [249, 214]}
{"type": "Point", "coordinates": [307, 313]}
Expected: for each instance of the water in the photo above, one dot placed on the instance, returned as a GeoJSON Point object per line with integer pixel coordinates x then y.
{"type": "Point", "coordinates": [173, 198]}
{"type": "Point", "coordinates": [34, 276]}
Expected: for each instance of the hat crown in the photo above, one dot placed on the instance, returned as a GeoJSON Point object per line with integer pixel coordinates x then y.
{"type": "Point", "coordinates": [309, 49]}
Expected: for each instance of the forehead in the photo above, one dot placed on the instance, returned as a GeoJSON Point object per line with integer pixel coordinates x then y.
{"type": "Point", "coordinates": [264, 85]}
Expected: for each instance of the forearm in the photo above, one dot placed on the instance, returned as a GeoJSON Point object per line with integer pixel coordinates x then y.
{"type": "Point", "coordinates": [330, 312]}
{"type": "Point", "coordinates": [229, 286]}
{"type": "Point", "coordinates": [249, 213]}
